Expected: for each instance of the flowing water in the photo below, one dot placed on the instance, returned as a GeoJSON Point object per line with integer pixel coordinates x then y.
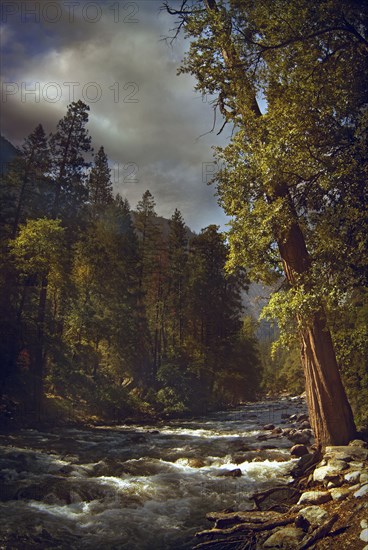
{"type": "Point", "coordinates": [133, 487]}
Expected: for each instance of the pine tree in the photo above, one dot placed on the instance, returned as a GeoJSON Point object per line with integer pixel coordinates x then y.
{"type": "Point", "coordinates": [68, 145]}
{"type": "Point", "coordinates": [34, 163]}
{"type": "Point", "coordinates": [178, 257]}
{"type": "Point", "coordinates": [99, 182]}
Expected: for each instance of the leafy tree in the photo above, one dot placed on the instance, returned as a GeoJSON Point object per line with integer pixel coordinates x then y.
{"type": "Point", "coordinates": [289, 163]}
{"type": "Point", "coordinates": [38, 251]}
{"type": "Point", "coordinates": [24, 194]}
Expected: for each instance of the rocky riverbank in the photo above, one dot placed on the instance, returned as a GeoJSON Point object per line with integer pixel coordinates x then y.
{"type": "Point", "coordinates": [324, 507]}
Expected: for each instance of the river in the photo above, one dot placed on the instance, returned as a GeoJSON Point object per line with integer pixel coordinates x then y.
{"type": "Point", "coordinates": [137, 487]}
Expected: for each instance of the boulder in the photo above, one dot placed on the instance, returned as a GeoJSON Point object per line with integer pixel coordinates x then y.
{"type": "Point", "coordinates": [364, 535]}
{"type": "Point", "coordinates": [305, 424]}
{"type": "Point", "coordinates": [287, 537]}
{"type": "Point", "coordinates": [268, 427]}
{"type": "Point", "coordinates": [311, 517]}
{"type": "Point", "coordinates": [314, 497]}
{"type": "Point", "coordinates": [299, 450]}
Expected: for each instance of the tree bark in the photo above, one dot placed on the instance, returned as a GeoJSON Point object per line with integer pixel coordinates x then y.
{"type": "Point", "coordinates": [330, 413]}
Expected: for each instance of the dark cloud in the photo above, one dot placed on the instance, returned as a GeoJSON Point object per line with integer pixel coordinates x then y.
{"type": "Point", "coordinates": [148, 119]}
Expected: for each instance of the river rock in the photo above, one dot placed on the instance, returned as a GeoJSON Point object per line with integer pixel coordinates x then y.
{"type": "Point", "coordinates": [352, 477]}
{"type": "Point", "coordinates": [363, 477]}
{"type": "Point", "coordinates": [362, 492]}
{"type": "Point", "coordinates": [302, 418]}
{"type": "Point", "coordinates": [364, 524]}
{"type": "Point", "coordinates": [301, 438]}
{"type": "Point", "coordinates": [299, 450]}
{"type": "Point", "coordinates": [364, 535]}
{"type": "Point", "coordinates": [346, 452]}
{"type": "Point", "coordinates": [305, 425]}
{"type": "Point", "coordinates": [334, 483]}
{"type": "Point", "coordinates": [314, 497]}
{"type": "Point", "coordinates": [196, 462]}
{"type": "Point", "coordinates": [277, 431]}
{"type": "Point", "coordinates": [268, 427]}
{"type": "Point", "coordinates": [287, 537]}
{"type": "Point", "coordinates": [231, 473]}
{"type": "Point", "coordinates": [311, 517]}
{"type": "Point", "coordinates": [329, 472]}
{"type": "Point", "coordinates": [339, 493]}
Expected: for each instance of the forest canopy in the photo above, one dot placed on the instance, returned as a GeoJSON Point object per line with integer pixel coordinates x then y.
{"type": "Point", "coordinates": [111, 310]}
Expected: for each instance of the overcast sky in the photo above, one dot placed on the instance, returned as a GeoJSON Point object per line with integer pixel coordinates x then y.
{"type": "Point", "coordinates": [110, 55]}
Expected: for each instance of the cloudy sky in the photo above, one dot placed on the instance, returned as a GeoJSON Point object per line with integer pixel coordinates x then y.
{"type": "Point", "coordinates": [111, 55]}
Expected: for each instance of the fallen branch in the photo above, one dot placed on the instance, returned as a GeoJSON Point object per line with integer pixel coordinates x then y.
{"type": "Point", "coordinates": [318, 533]}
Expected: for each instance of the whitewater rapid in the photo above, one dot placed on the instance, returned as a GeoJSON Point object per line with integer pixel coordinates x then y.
{"type": "Point", "coordinates": [137, 487]}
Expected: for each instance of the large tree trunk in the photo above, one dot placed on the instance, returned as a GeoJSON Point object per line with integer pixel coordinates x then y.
{"type": "Point", "coordinates": [329, 410]}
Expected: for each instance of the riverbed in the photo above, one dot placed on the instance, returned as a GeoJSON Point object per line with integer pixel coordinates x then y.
{"type": "Point", "coordinates": [138, 487]}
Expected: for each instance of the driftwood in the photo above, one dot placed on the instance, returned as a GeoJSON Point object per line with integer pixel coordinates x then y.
{"type": "Point", "coordinates": [226, 519]}
{"type": "Point", "coordinates": [243, 527]}
{"type": "Point", "coordinates": [318, 533]}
